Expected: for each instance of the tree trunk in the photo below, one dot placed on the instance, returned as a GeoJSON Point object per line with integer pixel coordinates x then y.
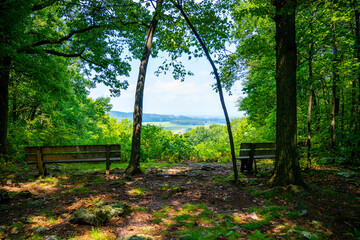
{"type": "Point", "coordinates": [287, 169]}
{"type": "Point", "coordinates": [335, 100]}
{"type": "Point", "coordinates": [308, 143]}
{"type": "Point", "coordinates": [5, 63]}
{"type": "Point", "coordinates": [355, 151]}
{"type": "Point", "coordinates": [134, 163]}
{"type": "Point", "coordinates": [221, 95]}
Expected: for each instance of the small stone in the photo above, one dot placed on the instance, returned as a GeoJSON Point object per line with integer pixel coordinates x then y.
{"type": "Point", "coordinates": [52, 238]}
{"type": "Point", "coordinates": [304, 212]}
{"type": "Point", "coordinates": [101, 202]}
{"type": "Point", "coordinates": [317, 224]}
{"type": "Point", "coordinates": [39, 229]}
{"type": "Point", "coordinates": [100, 214]}
{"type": "Point", "coordinates": [253, 216]}
{"type": "Point", "coordinates": [139, 237]}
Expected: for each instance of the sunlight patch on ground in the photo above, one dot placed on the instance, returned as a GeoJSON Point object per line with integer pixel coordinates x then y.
{"type": "Point", "coordinates": [176, 170]}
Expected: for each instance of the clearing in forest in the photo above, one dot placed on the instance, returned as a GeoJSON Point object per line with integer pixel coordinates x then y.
{"type": "Point", "coordinates": [178, 201]}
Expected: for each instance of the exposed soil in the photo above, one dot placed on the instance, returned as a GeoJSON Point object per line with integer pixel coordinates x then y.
{"type": "Point", "coordinates": [332, 201]}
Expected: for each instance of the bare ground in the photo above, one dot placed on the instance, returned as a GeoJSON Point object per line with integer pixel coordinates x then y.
{"type": "Point", "coordinates": [331, 204]}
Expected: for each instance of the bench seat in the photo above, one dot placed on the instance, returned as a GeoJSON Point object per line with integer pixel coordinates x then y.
{"type": "Point", "coordinates": [72, 154]}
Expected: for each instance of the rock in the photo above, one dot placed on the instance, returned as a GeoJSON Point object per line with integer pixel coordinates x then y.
{"type": "Point", "coordinates": [317, 224]}
{"type": "Point", "coordinates": [101, 202]}
{"type": "Point", "coordinates": [4, 197]}
{"type": "Point", "coordinates": [139, 237]}
{"type": "Point", "coordinates": [83, 216]}
{"type": "Point", "coordinates": [52, 238]}
{"type": "Point", "coordinates": [253, 216]}
{"type": "Point", "coordinates": [304, 212]}
{"type": "Point", "coordinates": [123, 205]}
{"type": "Point", "coordinates": [39, 229]}
{"type": "Point", "coordinates": [100, 214]}
{"type": "Point", "coordinates": [24, 194]}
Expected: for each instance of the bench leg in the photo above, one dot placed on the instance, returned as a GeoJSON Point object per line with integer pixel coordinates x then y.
{"type": "Point", "coordinates": [107, 168]}
{"type": "Point", "coordinates": [243, 164]}
{"type": "Point", "coordinates": [255, 167]}
{"type": "Point", "coordinates": [249, 167]}
{"type": "Point", "coordinates": [107, 159]}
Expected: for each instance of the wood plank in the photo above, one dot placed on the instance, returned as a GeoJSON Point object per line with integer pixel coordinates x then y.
{"type": "Point", "coordinates": [80, 160]}
{"type": "Point", "coordinates": [30, 150]}
{"type": "Point", "coordinates": [265, 157]}
{"type": "Point", "coordinates": [257, 152]}
{"type": "Point", "coordinates": [256, 157]}
{"type": "Point", "coordinates": [257, 145]}
{"type": "Point", "coordinates": [69, 156]}
{"type": "Point", "coordinates": [115, 147]}
{"type": "Point", "coordinates": [74, 148]}
{"type": "Point", "coordinates": [30, 158]}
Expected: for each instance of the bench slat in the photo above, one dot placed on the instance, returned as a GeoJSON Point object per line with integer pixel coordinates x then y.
{"type": "Point", "coordinates": [257, 145]}
{"type": "Point", "coordinates": [257, 157]}
{"type": "Point", "coordinates": [75, 148]}
{"type": "Point", "coordinates": [46, 158]}
{"type": "Point", "coordinates": [257, 152]}
{"type": "Point", "coordinates": [80, 160]}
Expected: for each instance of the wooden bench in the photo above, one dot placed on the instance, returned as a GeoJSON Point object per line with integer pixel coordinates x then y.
{"type": "Point", "coordinates": [249, 152]}
{"type": "Point", "coordinates": [72, 154]}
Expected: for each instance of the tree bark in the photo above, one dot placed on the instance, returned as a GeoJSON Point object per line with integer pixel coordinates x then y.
{"type": "Point", "coordinates": [5, 63]}
{"type": "Point", "coordinates": [134, 163]}
{"type": "Point", "coordinates": [287, 169]}
{"type": "Point", "coordinates": [335, 100]}
{"type": "Point", "coordinates": [308, 143]}
{"type": "Point", "coordinates": [355, 151]}
{"type": "Point", "coordinates": [219, 88]}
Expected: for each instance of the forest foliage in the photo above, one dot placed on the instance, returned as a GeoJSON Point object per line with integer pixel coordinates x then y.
{"type": "Point", "coordinates": [49, 80]}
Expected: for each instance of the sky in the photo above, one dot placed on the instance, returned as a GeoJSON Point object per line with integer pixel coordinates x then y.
{"type": "Point", "coordinates": [164, 95]}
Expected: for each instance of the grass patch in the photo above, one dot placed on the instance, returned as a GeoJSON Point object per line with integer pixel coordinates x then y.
{"type": "Point", "coordinates": [98, 234]}
{"type": "Point", "coordinates": [81, 190]}
{"type": "Point", "coordinates": [137, 192]}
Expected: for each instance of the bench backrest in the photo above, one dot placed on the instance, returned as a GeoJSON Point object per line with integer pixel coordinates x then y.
{"type": "Point", "coordinates": [78, 152]}
{"type": "Point", "coordinates": [258, 149]}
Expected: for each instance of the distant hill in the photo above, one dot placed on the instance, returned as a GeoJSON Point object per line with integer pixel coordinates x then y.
{"type": "Point", "coordinates": [183, 120]}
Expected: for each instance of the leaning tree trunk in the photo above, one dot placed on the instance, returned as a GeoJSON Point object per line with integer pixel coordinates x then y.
{"type": "Point", "coordinates": [335, 100]}
{"type": "Point", "coordinates": [218, 85]}
{"type": "Point", "coordinates": [355, 151]}
{"type": "Point", "coordinates": [5, 63]}
{"type": "Point", "coordinates": [134, 164]}
{"type": "Point", "coordinates": [310, 59]}
{"type": "Point", "coordinates": [287, 170]}
{"type": "Point", "coordinates": [308, 143]}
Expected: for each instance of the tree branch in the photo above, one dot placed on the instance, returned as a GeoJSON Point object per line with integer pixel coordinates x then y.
{"type": "Point", "coordinates": [60, 54]}
{"type": "Point", "coordinates": [129, 23]}
{"type": "Point", "coordinates": [67, 37]}
{"type": "Point", "coordinates": [43, 5]}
